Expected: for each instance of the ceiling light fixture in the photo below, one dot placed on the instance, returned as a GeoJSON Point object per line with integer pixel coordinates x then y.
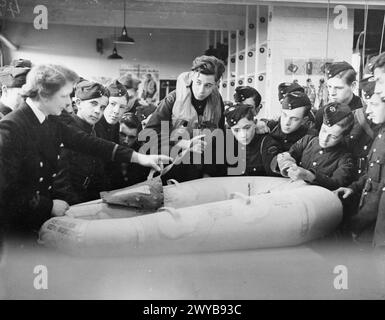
{"type": "Point", "coordinates": [124, 38]}
{"type": "Point", "coordinates": [114, 54]}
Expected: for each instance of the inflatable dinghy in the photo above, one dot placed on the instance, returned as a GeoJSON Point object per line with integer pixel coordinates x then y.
{"type": "Point", "coordinates": [212, 214]}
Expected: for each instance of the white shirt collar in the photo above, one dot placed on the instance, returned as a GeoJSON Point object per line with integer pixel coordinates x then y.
{"type": "Point", "coordinates": [38, 113]}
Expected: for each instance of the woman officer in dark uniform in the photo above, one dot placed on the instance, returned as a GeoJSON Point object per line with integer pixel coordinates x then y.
{"type": "Point", "coordinates": [31, 138]}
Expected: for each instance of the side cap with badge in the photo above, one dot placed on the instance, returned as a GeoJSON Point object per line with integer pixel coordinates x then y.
{"type": "Point", "coordinates": [295, 100]}
{"type": "Point", "coordinates": [236, 112]}
{"type": "Point", "coordinates": [334, 112]}
{"type": "Point", "coordinates": [13, 77]}
{"type": "Point", "coordinates": [286, 87]}
{"type": "Point", "coordinates": [335, 68]}
{"type": "Point", "coordinates": [86, 90]}
{"type": "Point", "coordinates": [117, 89]}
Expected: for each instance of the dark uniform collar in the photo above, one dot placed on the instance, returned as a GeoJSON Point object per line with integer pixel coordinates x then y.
{"type": "Point", "coordinates": [82, 124]}
{"type": "Point", "coordinates": [27, 110]}
{"type": "Point", "coordinates": [355, 103]}
{"type": "Point", "coordinates": [103, 122]}
{"type": "Point", "coordinates": [4, 109]}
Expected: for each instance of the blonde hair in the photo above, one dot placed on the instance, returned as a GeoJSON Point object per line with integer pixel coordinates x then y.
{"type": "Point", "coordinates": [46, 79]}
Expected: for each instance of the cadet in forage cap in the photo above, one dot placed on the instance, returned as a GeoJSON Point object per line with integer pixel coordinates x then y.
{"type": "Point", "coordinates": [132, 86]}
{"type": "Point", "coordinates": [11, 80]}
{"type": "Point", "coordinates": [341, 82]}
{"type": "Point", "coordinates": [292, 124]}
{"type": "Point", "coordinates": [368, 225]}
{"type": "Point", "coordinates": [117, 106]}
{"type": "Point", "coordinates": [109, 125]}
{"type": "Point", "coordinates": [255, 152]}
{"type": "Point", "coordinates": [81, 177]}
{"type": "Point", "coordinates": [323, 160]}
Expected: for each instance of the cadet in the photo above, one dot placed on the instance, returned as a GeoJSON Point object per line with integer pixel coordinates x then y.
{"type": "Point", "coordinates": [292, 124]}
{"type": "Point", "coordinates": [323, 160]}
{"type": "Point", "coordinates": [117, 106]}
{"type": "Point", "coordinates": [195, 104]}
{"type": "Point", "coordinates": [341, 82]}
{"type": "Point", "coordinates": [81, 177]}
{"type": "Point", "coordinates": [129, 173]}
{"type": "Point", "coordinates": [369, 223]}
{"type": "Point", "coordinates": [31, 141]}
{"type": "Point", "coordinates": [11, 80]}
{"type": "Point", "coordinates": [256, 150]}
{"type": "Point", "coordinates": [132, 86]}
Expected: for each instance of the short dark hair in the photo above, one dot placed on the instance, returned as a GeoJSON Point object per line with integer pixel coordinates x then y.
{"type": "Point", "coordinates": [209, 65]}
{"type": "Point", "coordinates": [131, 121]}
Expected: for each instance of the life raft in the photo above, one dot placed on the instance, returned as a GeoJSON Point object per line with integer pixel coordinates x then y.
{"type": "Point", "coordinates": [211, 214]}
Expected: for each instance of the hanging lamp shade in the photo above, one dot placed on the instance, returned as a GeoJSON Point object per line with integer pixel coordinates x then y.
{"type": "Point", "coordinates": [124, 38]}
{"type": "Point", "coordinates": [114, 54]}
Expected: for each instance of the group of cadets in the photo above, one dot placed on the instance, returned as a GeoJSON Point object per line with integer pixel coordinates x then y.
{"type": "Point", "coordinates": [340, 146]}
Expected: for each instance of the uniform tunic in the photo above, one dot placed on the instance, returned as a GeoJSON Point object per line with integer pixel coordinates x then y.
{"type": "Point", "coordinates": [333, 167]}
{"type": "Point", "coordinates": [371, 213]}
{"type": "Point", "coordinates": [108, 131]}
{"type": "Point", "coordinates": [259, 155]}
{"type": "Point", "coordinates": [4, 109]}
{"type": "Point", "coordinates": [287, 140]}
{"type": "Point", "coordinates": [80, 177]}
{"type": "Point", "coordinates": [29, 154]}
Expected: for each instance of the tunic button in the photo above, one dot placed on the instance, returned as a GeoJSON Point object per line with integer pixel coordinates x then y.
{"type": "Point", "coordinates": [54, 175]}
{"type": "Point", "coordinates": [372, 164]}
{"type": "Point", "coordinates": [41, 179]}
{"type": "Point", "coordinates": [366, 147]}
{"type": "Point", "coordinates": [254, 169]}
{"type": "Point", "coordinates": [38, 192]}
{"type": "Point", "coordinates": [374, 150]}
{"type": "Point", "coordinates": [285, 141]}
{"type": "Point", "coordinates": [351, 137]}
{"type": "Point", "coordinates": [50, 187]}
{"type": "Point", "coordinates": [61, 145]}
{"type": "Point", "coordinates": [380, 135]}
{"type": "Point", "coordinates": [321, 152]}
{"type": "Point", "coordinates": [383, 189]}
{"type": "Point", "coordinates": [58, 157]}
{"type": "Point", "coordinates": [314, 163]}
{"type": "Point", "coordinates": [41, 164]}
{"type": "Point", "coordinates": [378, 161]}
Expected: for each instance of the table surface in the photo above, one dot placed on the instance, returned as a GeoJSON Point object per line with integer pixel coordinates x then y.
{"type": "Point", "coordinates": [302, 272]}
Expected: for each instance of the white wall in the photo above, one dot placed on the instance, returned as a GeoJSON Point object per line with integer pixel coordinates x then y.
{"type": "Point", "coordinates": [171, 51]}
{"type": "Point", "coordinates": [301, 33]}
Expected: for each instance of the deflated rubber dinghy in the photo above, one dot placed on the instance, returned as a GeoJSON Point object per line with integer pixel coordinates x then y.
{"type": "Point", "coordinates": [212, 214]}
